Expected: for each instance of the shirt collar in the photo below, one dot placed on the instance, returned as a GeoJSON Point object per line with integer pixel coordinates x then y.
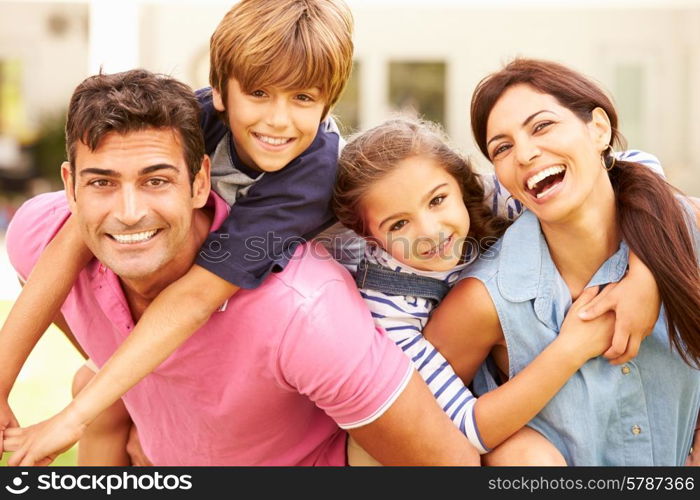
{"type": "Point", "coordinates": [526, 271]}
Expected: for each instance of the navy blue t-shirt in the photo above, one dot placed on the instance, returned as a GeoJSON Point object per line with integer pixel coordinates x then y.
{"type": "Point", "coordinates": [279, 211]}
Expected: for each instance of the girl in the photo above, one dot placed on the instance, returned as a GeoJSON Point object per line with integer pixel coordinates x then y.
{"type": "Point", "coordinates": [549, 132]}
{"type": "Point", "coordinates": [420, 207]}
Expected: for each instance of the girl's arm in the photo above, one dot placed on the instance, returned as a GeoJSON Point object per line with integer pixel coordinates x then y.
{"type": "Point", "coordinates": [37, 306]}
{"type": "Point", "coordinates": [173, 316]}
{"type": "Point", "coordinates": [503, 411]}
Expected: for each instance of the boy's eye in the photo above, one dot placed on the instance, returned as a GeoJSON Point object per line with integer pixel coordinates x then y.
{"type": "Point", "coordinates": [398, 225]}
{"type": "Point", "coordinates": [437, 200]}
{"type": "Point", "coordinates": [305, 98]}
{"type": "Point", "coordinates": [258, 93]}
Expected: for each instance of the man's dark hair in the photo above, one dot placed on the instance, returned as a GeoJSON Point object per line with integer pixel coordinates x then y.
{"type": "Point", "coordinates": [132, 101]}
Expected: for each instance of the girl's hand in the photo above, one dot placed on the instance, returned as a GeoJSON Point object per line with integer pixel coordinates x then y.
{"type": "Point", "coordinates": [636, 302]}
{"type": "Point", "coordinates": [41, 443]}
{"type": "Point", "coordinates": [586, 339]}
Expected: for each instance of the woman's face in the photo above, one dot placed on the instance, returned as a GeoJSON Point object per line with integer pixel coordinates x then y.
{"type": "Point", "coordinates": [545, 155]}
{"type": "Point", "coordinates": [417, 214]}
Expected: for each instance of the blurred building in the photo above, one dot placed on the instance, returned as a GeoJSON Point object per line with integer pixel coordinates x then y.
{"type": "Point", "coordinates": [426, 55]}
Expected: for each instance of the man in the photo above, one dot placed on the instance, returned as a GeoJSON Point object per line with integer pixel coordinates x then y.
{"type": "Point", "coordinates": [272, 375]}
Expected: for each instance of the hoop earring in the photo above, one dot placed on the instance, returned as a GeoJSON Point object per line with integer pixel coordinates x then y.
{"type": "Point", "coordinates": [604, 158]}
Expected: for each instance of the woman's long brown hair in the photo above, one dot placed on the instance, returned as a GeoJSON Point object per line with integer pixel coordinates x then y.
{"type": "Point", "coordinates": [650, 215]}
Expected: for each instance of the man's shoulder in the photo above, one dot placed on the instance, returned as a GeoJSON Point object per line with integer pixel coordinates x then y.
{"type": "Point", "coordinates": [34, 224]}
{"type": "Point", "coordinates": [310, 270]}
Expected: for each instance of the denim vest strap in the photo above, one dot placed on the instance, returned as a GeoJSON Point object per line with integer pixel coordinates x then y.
{"type": "Point", "coordinates": [378, 278]}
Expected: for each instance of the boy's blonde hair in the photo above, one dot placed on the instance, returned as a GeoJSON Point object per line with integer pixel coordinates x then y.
{"type": "Point", "coordinates": [286, 43]}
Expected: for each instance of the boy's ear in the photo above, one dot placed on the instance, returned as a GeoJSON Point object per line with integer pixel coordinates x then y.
{"type": "Point", "coordinates": [202, 184]}
{"type": "Point", "coordinates": [217, 100]}
{"type": "Point", "coordinates": [68, 184]}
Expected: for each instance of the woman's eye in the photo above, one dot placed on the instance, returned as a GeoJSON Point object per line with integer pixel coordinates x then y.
{"type": "Point", "coordinates": [398, 225]}
{"type": "Point", "coordinates": [541, 126]}
{"type": "Point", "coordinates": [437, 200]}
{"type": "Point", "coordinates": [499, 150]}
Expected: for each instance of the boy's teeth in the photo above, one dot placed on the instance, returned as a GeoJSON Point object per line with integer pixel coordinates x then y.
{"type": "Point", "coordinates": [275, 141]}
{"type": "Point", "coordinates": [135, 237]}
{"type": "Point", "coordinates": [539, 176]}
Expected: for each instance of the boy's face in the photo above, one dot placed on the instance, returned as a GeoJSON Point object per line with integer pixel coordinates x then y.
{"type": "Point", "coordinates": [271, 126]}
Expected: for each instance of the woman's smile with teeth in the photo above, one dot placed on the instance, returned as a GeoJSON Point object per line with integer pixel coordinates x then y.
{"type": "Point", "coordinates": [134, 237]}
{"type": "Point", "coordinates": [543, 181]}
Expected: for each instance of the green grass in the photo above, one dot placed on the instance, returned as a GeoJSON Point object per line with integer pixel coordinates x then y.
{"type": "Point", "coordinates": [43, 386]}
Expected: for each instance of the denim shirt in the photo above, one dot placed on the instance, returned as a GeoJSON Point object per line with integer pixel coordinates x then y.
{"type": "Point", "coordinates": [640, 413]}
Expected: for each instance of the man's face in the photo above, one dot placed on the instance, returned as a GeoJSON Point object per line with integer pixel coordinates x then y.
{"type": "Point", "coordinates": [133, 200]}
{"type": "Point", "coordinates": [271, 126]}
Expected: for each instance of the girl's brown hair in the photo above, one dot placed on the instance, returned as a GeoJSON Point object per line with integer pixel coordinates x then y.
{"type": "Point", "coordinates": [371, 155]}
{"type": "Point", "coordinates": [649, 212]}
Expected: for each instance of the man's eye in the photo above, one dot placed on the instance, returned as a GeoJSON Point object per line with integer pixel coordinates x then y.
{"type": "Point", "coordinates": [398, 225]}
{"type": "Point", "coordinates": [156, 182]}
{"type": "Point", "coordinates": [437, 200]}
{"type": "Point", "coordinates": [100, 183]}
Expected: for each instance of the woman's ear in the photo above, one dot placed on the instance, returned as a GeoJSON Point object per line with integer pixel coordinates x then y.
{"type": "Point", "coordinates": [600, 128]}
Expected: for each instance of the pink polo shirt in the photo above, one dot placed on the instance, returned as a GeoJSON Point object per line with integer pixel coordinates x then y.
{"type": "Point", "coordinates": [267, 381]}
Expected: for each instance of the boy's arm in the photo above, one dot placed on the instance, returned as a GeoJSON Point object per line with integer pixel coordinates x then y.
{"type": "Point", "coordinates": [173, 316]}
{"type": "Point", "coordinates": [38, 305]}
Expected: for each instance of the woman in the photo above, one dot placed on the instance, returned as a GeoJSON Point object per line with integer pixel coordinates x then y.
{"type": "Point", "coordinates": [549, 132]}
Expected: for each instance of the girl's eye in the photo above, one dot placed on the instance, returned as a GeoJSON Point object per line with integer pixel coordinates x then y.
{"type": "Point", "coordinates": [501, 148]}
{"type": "Point", "coordinates": [437, 200]}
{"type": "Point", "coordinates": [398, 225]}
{"type": "Point", "coordinates": [541, 126]}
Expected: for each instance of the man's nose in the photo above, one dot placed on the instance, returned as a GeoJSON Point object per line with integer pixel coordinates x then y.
{"type": "Point", "coordinates": [131, 207]}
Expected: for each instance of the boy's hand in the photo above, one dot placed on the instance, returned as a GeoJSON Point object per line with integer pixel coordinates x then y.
{"type": "Point", "coordinates": [636, 302]}
{"type": "Point", "coordinates": [7, 420]}
{"type": "Point", "coordinates": [586, 339]}
{"type": "Point", "coordinates": [694, 457]}
{"type": "Point", "coordinates": [133, 449]}
{"type": "Point", "coordinates": [41, 443]}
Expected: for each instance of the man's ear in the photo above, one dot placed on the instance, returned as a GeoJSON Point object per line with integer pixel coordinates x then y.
{"type": "Point", "coordinates": [68, 184]}
{"type": "Point", "coordinates": [600, 128]}
{"type": "Point", "coordinates": [217, 100]}
{"type": "Point", "coordinates": [202, 184]}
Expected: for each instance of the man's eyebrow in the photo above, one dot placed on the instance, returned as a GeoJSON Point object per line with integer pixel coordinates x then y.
{"type": "Point", "coordinates": [113, 173]}
{"type": "Point", "coordinates": [155, 168]}
{"type": "Point", "coordinates": [527, 120]}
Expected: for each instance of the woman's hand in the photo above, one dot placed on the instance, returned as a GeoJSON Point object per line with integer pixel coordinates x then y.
{"type": "Point", "coordinates": [41, 443]}
{"type": "Point", "coordinates": [586, 339]}
{"type": "Point", "coordinates": [636, 302]}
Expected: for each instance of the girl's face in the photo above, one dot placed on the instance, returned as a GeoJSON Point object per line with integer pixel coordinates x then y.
{"type": "Point", "coordinates": [416, 213]}
{"type": "Point", "coordinates": [545, 155]}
